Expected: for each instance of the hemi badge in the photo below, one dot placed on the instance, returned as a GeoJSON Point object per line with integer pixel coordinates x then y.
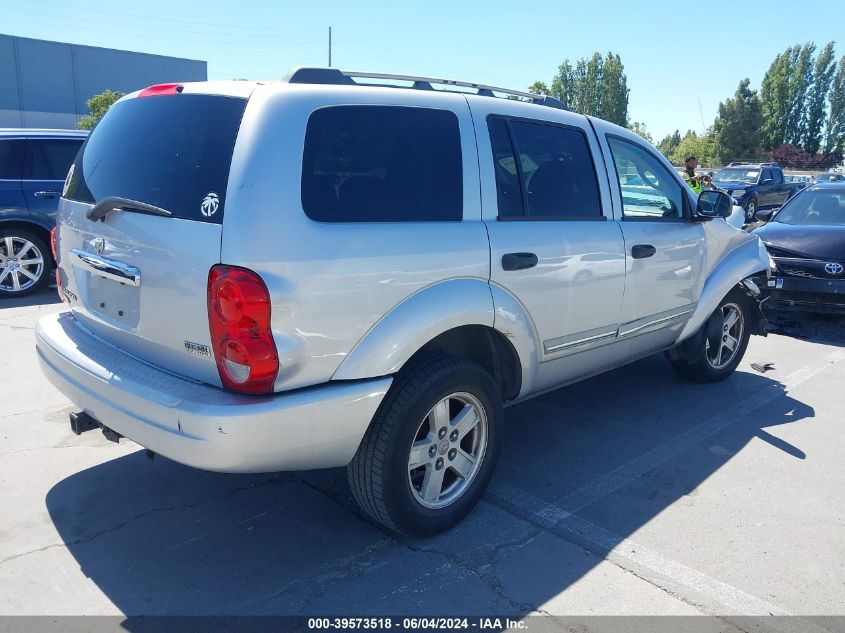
{"type": "Point", "coordinates": [196, 348]}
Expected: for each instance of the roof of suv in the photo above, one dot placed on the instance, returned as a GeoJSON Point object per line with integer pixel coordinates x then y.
{"type": "Point", "coordinates": [29, 132]}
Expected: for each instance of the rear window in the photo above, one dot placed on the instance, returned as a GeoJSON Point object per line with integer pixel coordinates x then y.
{"type": "Point", "coordinates": [382, 164]}
{"type": "Point", "coordinates": [49, 159]}
{"type": "Point", "coordinates": [173, 152]}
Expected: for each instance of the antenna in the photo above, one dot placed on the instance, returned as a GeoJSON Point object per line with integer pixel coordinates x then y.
{"type": "Point", "coordinates": [330, 47]}
{"type": "Point", "coordinates": [700, 111]}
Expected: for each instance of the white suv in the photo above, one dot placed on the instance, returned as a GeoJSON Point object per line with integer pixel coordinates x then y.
{"type": "Point", "coordinates": [323, 272]}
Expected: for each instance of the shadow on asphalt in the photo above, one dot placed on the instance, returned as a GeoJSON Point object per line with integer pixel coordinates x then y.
{"type": "Point", "coordinates": [160, 538]}
{"type": "Point", "coordinates": [45, 296]}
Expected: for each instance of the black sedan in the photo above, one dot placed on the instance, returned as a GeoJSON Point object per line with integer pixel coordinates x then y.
{"type": "Point", "coordinates": [806, 241]}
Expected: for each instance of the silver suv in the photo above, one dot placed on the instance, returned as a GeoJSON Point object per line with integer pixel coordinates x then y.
{"type": "Point", "coordinates": [323, 272]}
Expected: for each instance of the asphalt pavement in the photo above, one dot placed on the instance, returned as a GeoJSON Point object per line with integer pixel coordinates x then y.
{"type": "Point", "coordinates": [631, 493]}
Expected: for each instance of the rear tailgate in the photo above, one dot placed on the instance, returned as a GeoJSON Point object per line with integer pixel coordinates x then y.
{"type": "Point", "coordinates": [139, 281]}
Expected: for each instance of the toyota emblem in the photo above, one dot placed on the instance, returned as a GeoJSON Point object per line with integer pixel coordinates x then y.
{"type": "Point", "coordinates": [834, 268]}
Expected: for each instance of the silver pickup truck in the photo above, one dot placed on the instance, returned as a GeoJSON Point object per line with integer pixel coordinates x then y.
{"type": "Point", "coordinates": [322, 272]}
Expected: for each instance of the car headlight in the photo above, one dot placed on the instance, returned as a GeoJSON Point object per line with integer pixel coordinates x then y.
{"type": "Point", "coordinates": [773, 267]}
{"type": "Point", "coordinates": [738, 193]}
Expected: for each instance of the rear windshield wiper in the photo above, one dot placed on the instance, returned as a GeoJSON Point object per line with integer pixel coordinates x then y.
{"type": "Point", "coordinates": [113, 203]}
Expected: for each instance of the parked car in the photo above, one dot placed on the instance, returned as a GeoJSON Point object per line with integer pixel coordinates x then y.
{"type": "Point", "coordinates": [318, 273]}
{"type": "Point", "coordinates": [806, 240]}
{"type": "Point", "coordinates": [799, 178]}
{"type": "Point", "coordinates": [755, 186]}
{"type": "Point", "coordinates": [33, 166]}
{"type": "Point", "coordinates": [830, 176]}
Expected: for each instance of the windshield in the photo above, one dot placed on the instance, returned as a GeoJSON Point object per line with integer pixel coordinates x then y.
{"type": "Point", "coordinates": [748, 176]}
{"type": "Point", "coordinates": [829, 177]}
{"type": "Point", "coordinates": [818, 207]}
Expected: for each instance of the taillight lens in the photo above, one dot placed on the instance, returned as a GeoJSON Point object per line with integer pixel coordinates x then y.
{"type": "Point", "coordinates": [239, 321]}
{"type": "Point", "coordinates": [54, 246]}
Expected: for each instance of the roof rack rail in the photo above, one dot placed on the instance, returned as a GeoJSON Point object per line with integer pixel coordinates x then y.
{"type": "Point", "coordinates": [335, 76]}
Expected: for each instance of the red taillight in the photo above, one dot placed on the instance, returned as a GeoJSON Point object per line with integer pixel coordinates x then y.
{"type": "Point", "coordinates": [161, 89]}
{"type": "Point", "coordinates": [239, 321]}
{"type": "Point", "coordinates": [54, 246]}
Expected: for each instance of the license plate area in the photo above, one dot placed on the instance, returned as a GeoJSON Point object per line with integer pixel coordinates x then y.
{"type": "Point", "coordinates": [111, 301]}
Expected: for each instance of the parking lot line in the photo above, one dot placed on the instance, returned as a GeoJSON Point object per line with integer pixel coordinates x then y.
{"type": "Point", "coordinates": [615, 547]}
{"type": "Point", "coordinates": [628, 472]}
{"type": "Point", "coordinates": [560, 518]}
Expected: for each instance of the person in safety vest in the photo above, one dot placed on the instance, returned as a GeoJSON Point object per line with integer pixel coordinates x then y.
{"type": "Point", "coordinates": [697, 183]}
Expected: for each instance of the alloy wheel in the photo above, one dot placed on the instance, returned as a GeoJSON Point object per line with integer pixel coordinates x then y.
{"type": "Point", "coordinates": [723, 354]}
{"type": "Point", "coordinates": [21, 264]}
{"type": "Point", "coordinates": [447, 451]}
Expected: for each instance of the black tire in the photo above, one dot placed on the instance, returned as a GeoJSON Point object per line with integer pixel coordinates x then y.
{"type": "Point", "coordinates": [379, 473]}
{"type": "Point", "coordinates": [702, 369]}
{"type": "Point", "coordinates": [751, 211]}
{"type": "Point", "coordinates": [9, 270]}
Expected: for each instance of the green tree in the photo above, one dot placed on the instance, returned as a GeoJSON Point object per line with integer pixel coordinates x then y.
{"type": "Point", "coordinates": [800, 81]}
{"type": "Point", "coordinates": [614, 91]}
{"type": "Point", "coordinates": [669, 143]}
{"type": "Point", "coordinates": [835, 132]}
{"type": "Point", "coordinates": [596, 86]}
{"type": "Point", "coordinates": [539, 87]}
{"type": "Point", "coordinates": [98, 105]}
{"type": "Point", "coordinates": [823, 71]}
{"type": "Point", "coordinates": [702, 147]}
{"type": "Point", "coordinates": [774, 96]}
{"type": "Point", "coordinates": [736, 131]}
{"type": "Point", "coordinates": [786, 95]}
{"type": "Point", "coordinates": [640, 129]}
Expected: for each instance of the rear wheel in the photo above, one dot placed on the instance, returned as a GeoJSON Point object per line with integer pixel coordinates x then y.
{"type": "Point", "coordinates": [24, 263]}
{"type": "Point", "coordinates": [431, 448]}
{"type": "Point", "coordinates": [724, 340]}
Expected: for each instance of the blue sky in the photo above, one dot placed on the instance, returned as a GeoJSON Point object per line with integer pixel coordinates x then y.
{"type": "Point", "coordinates": [675, 54]}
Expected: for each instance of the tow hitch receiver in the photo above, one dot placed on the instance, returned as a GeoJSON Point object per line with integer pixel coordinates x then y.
{"type": "Point", "coordinates": [81, 422]}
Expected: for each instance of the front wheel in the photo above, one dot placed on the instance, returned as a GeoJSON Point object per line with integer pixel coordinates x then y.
{"type": "Point", "coordinates": [431, 448]}
{"type": "Point", "coordinates": [750, 211]}
{"type": "Point", "coordinates": [724, 338]}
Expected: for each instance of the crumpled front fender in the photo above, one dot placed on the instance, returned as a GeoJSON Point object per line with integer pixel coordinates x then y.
{"type": "Point", "coordinates": [737, 265]}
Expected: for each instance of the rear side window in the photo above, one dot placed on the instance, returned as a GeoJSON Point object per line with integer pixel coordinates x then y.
{"type": "Point", "coordinates": [49, 159]}
{"type": "Point", "coordinates": [554, 177]}
{"type": "Point", "coordinates": [382, 164]}
{"type": "Point", "coordinates": [11, 158]}
{"type": "Point", "coordinates": [171, 151]}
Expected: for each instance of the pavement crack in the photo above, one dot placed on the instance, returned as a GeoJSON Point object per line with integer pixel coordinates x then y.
{"type": "Point", "coordinates": [142, 516]}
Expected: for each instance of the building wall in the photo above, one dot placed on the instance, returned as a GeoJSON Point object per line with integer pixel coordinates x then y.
{"type": "Point", "coordinates": [46, 84]}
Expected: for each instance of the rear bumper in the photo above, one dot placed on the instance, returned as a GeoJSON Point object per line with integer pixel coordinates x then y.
{"type": "Point", "coordinates": [805, 294]}
{"type": "Point", "coordinates": [200, 425]}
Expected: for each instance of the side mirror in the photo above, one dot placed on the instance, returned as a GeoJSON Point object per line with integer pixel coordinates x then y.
{"type": "Point", "coordinates": [764, 215]}
{"type": "Point", "coordinates": [713, 203]}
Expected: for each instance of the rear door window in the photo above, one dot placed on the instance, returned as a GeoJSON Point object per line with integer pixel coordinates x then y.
{"type": "Point", "coordinates": [382, 164]}
{"type": "Point", "coordinates": [171, 151]}
{"type": "Point", "coordinates": [49, 159]}
{"type": "Point", "coordinates": [11, 158]}
{"type": "Point", "coordinates": [554, 177]}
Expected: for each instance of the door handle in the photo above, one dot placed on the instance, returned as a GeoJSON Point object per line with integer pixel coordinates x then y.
{"type": "Point", "coordinates": [641, 251]}
{"type": "Point", "coordinates": [46, 194]}
{"type": "Point", "coordinates": [518, 261]}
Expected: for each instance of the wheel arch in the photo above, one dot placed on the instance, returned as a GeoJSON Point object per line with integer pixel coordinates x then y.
{"type": "Point", "coordinates": [456, 317]}
{"type": "Point", "coordinates": [738, 265]}
{"type": "Point", "coordinates": [33, 227]}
